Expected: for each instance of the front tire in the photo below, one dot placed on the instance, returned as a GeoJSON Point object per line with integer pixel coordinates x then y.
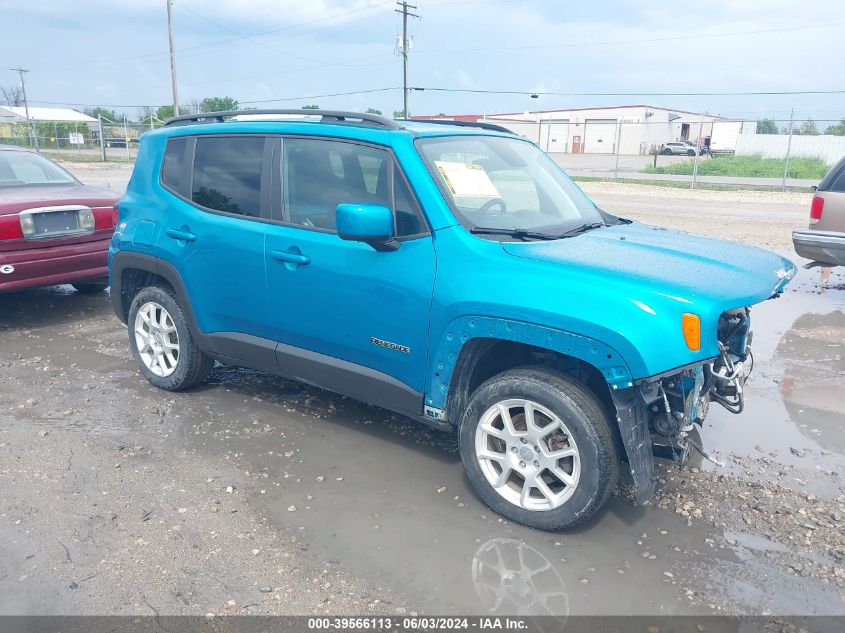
{"type": "Point", "coordinates": [161, 341]}
{"type": "Point", "coordinates": [538, 448]}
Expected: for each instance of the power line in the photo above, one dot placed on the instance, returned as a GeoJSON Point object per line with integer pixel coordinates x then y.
{"type": "Point", "coordinates": [672, 38]}
{"type": "Point", "coordinates": [534, 94]}
{"type": "Point", "coordinates": [240, 38]}
{"type": "Point", "coordinates": [250, 38]}
{"type": "Point", "coordinates": [276, 99]}
{"type": "Point", "coordinates": [480, 91]}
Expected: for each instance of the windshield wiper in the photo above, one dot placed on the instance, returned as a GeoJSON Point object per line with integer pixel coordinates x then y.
{"type": "Point", "coordinates": [517, 233]}
{"type": "Point", "coordinates": [535, 235]}
{"type": "Point", "coordinates": [582, 229]}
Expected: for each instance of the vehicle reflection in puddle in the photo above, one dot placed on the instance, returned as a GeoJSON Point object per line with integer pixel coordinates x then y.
{"type": "Point", "coordinates": [814, 377]}
{"type": "Point", "coordinates": [513, 578]}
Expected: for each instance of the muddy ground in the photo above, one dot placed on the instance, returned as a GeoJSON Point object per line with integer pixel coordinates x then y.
{"type": "Point", "coordinates": [254, 494]}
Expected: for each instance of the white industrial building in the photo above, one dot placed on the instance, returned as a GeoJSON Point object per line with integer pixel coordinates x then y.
{"type": "Point", "coordinates": [17, 114]}
{"type": "Point", "coordinates": [633, 129]}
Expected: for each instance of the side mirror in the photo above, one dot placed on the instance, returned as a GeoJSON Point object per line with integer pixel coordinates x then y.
{"type": "Point", "coordinates": [370, 223]}
{"type": "Point", "coordinates": [814, 188]}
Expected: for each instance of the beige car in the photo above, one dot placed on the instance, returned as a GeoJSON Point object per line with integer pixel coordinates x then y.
{"type": "Point", "coordinates": [824, 240]}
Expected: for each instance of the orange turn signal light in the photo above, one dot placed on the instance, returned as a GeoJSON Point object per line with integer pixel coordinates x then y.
{"type": "Point", "coordinates": [691, 326]}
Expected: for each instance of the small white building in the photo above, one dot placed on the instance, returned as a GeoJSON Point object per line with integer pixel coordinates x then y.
{"type": "Point", "coordinates": [17, 114]}
{"type": "Point", "coordinates": [633, 129]}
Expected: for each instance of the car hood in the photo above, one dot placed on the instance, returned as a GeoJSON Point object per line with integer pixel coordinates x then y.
{"type": "Point", "coordinates": [684, 266]}
{"type": "Point", "coordinates": [16, 199]}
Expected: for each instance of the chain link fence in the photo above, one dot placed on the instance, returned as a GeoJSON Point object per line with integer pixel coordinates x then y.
{"type": "Point", "coordinates": [102, 140]}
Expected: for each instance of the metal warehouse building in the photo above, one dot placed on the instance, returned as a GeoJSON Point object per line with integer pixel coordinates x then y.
{"type": "Point", "coordinates": [628, 129]}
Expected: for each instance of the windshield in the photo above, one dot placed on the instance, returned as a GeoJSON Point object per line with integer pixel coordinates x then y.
{"type": "Point", "coordinates": [502, 183]}
{"type": "Point", "coordinates": [30, 169]}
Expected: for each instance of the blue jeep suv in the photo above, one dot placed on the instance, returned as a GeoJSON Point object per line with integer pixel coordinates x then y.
{"type": "Point", "coordinates": [448, 272]}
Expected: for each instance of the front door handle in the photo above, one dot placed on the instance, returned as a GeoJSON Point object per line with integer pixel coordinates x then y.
{"type": "Point", "coordinates": [291, 258]}
{"type": "Point", "coordinates": [179, 234]}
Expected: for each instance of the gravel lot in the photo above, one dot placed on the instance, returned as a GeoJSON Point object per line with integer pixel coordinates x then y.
{"type": "Point", "coordinates": [254, 494]}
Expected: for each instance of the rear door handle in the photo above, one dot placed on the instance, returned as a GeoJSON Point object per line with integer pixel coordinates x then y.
{"type": "Point", "coordinates": [179, 234]}
{"type": "Point", "coordinates": [292, 258]}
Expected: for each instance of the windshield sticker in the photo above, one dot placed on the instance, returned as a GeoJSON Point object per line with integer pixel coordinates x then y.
{"type": "Point", "coordinates": [467, 180]}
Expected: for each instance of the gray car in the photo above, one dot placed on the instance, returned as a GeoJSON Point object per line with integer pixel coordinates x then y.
{"type": "Point", "coordinates": [684, 148]}
{"type": "Point", "coordinates": [824, 240]}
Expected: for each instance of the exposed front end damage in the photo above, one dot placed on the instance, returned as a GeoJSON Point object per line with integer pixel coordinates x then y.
{"type": "Point", "coordinates": [657, 414]}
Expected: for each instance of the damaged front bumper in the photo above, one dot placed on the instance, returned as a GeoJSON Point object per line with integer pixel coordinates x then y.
{"type": "Point", "coordinates": [656, 415]}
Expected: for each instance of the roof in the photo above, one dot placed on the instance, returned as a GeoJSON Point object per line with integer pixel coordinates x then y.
{"type": "Point", "coordinates": [473, 117]}
{"type": "Point", "coordinates": [47, 114]}
{"type": "Point", "coordinates": [328, 121]}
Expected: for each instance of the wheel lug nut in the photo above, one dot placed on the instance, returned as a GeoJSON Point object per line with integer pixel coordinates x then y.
{"type": "Point", "coordinates": [536, 464]}
{"type": "Point", "coordinates": [522, 464]}
{"type": "Point", "coordinates": [524, 441]}
{"type": "Point", "coordinates": [513, 449]}
{"type": "Point", "coordinates": [536, 449]}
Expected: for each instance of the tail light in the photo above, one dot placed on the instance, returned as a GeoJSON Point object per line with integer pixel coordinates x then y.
{"type": "Point", "coordinates": [10, 227]}
{"type": "Point", "coordinates": [115, 214]}
{"type": "Point", "coordinates": [816, 208]}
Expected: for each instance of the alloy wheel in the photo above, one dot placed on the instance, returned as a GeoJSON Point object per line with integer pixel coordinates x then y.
{"type": "Point", "coordinates": [527, 454]}
{"type": "Point", "coordinates": [157, 339]}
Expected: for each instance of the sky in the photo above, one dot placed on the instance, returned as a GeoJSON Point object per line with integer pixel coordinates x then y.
{"type": "Point", "coordinates": [283, 53]}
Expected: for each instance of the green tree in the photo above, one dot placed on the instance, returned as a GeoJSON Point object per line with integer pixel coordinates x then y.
{"type": "Point", "coordinates": [164, 112]}
{"type": "Point", "coordinates": [766, 126]}
{"type": "Point", "coordinates": [373, 111]}
{"type": "Point", "coordinates": [836, 130]}
{"type": "Point", "coordinates": [398, 114]}
{"type": "Point", "coordinates": [313, 106]}
{"type": "Point", "coordinates": [218, 104]}
{"type": "Point", "coordinates": [808, 128]}
{"type": "Point", "coordinates": [108, 115]}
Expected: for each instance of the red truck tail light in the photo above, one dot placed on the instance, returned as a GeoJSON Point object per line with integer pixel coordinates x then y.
{"type": "Point", "coordinates": [10, 227]}
{"type": "Point", "coordinates": [816, 208]}
{"type": "Point", "coordinates": [115, 214]}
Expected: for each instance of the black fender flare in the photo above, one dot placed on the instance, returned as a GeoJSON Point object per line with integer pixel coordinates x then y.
{"type": "Point", "coordinates": [129, 260]}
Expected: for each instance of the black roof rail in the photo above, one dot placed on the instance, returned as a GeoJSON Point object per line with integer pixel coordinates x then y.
{"type": "Point", "coordinates": [479, 124]}
{"type": "Point", "coordinates": [327, 116]}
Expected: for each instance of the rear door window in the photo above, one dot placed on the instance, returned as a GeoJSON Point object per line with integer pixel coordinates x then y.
{"type": "Point", "coordinates": [227, 174]}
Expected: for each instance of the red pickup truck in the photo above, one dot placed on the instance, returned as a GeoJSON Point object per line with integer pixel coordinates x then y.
{"type": "Point", "coordinates": [53, 229]}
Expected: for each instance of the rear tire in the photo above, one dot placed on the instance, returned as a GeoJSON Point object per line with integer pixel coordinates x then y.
{"type": "Point", "coordinates": [90, 288]}
{"type": "Point", "coordinates": [567, 458]}
{"type": "Point", "coordinates": [161, 341]}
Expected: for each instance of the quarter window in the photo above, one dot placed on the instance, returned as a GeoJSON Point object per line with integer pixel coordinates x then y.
{"type": "Point", "coordinates": [227, 174]}
{"type": "Point", "coordinates": [838, 184]}
{"type": "Point", "coordinates": [174, 169]}
{"type": "Point", "coordinates": [319, 175]}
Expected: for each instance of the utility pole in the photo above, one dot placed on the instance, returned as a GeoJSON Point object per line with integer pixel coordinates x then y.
{"type": "Point", "coordinates": [404, 10]}
{"type": "Point", "coordinates": [32, 134]}
{"type": "Point", "coordinates": [172, 58]}
{"type": "Point", "coordinates": [697, 150]}
{"type": "Point", "coordinates": [788, 149]}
